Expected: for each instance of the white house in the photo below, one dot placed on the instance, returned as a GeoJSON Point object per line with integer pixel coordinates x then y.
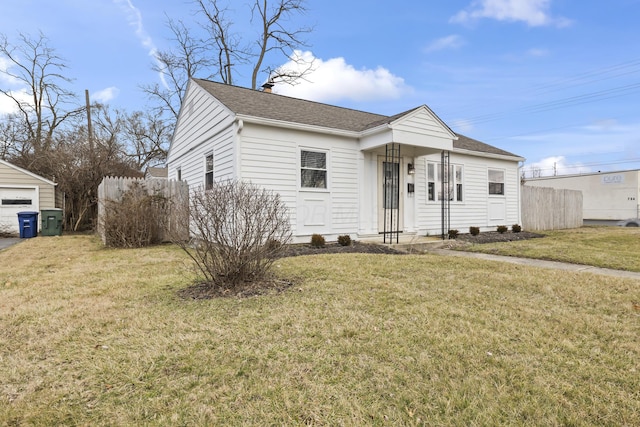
{"type": "Point", "coordinates": [608, 197]}
{"type": "Point", "coordinates": [342, 171]}
{"type": "Point", "coordinates": [22, 191]}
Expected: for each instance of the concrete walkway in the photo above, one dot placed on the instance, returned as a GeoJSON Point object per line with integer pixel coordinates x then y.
{"type": "Point", "coordinates": [539, 263]}
{"type": "Point", "coordinates": [5, 242]}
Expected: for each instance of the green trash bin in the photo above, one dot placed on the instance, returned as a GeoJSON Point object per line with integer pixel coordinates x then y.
{"type": "Point", "coordinates": [51, 222]}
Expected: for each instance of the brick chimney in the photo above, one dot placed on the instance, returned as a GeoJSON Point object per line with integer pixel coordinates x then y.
{"type": "Point", "coordinates": [267, 87]}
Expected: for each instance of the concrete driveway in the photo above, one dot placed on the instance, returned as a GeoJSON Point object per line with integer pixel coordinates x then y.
{"type": "Point", "coordinates": [5, 242]}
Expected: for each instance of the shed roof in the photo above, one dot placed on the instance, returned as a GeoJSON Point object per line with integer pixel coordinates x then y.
{"type": "Point", "coordinates": [266, 105]}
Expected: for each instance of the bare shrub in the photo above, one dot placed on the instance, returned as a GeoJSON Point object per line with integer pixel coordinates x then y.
{"type": "Point", "coordinates": [136, 220]}
{"type": "Point", "coordinates": [237, 231]}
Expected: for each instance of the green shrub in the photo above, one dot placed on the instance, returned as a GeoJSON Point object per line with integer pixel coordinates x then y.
{"type": "Point", "coordinates": [344, 240]}
{"type": "Point", "coordinates": [453, 234]}
{"type": "Point", "coordinates": [317, 241]}
{"type": "Point", "coordinates": [474, 231]}
{"type": "Point", "coordinates": [502, 229]}
{"type": "Point", "coordinates": [516, 228]}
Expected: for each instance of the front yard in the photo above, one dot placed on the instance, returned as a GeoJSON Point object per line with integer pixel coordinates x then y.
{"type": "Point", "coordinates": [606, 247]}
{"type": "Point", "coordinates": [94, 336]}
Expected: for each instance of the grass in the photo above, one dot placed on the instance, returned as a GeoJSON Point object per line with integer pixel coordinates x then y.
{"type": "Point", "coordinates": [94, 336]}
{"type": "Point", "coordinates": [607, 247]}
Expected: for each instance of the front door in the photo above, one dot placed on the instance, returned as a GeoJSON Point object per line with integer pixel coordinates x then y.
{"type": "Point", "coordinates": [390, 203]}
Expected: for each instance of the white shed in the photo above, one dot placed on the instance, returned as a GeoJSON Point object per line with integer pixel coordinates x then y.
{"type": "Point", "coordinates": [21, 190]}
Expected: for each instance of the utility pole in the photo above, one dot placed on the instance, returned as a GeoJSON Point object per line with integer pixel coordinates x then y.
{"type": "Point", "coordinates": [89, 127]}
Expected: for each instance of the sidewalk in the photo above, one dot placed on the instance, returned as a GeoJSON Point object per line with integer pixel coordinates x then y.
{"type": "Point", "coordinates": [539, 263]}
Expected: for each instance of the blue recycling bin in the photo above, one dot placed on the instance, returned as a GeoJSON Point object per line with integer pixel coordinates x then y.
{"type": "Point", "coordinates": [28, 222]}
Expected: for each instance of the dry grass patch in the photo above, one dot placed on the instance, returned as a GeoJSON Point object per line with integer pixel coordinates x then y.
{"type": "Point", "coordinates": [607, 247]}
{"type": "Point", "coordinates": [95, 336]}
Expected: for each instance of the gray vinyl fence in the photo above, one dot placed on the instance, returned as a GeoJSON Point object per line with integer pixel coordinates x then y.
{"type": "Point", "coordinates": [176, 192]}
{"type": "Point", "coordinates": [550, 209]}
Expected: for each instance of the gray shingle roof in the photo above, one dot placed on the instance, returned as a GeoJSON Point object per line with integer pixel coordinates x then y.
{"type": "Point", "coordinates": [277, 107]}
{"type": "Point", "coordinates": [265, 105]}
{"type": "Point", "coordinates": [466, 143]}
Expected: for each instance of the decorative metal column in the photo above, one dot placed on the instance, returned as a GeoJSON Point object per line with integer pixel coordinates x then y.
{"type": "Point", "coordinates": [391, 193]}
{"type": "Point", "coordinates": [446, 189]}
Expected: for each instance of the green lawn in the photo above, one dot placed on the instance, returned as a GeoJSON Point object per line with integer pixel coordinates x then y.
{"type": "Point", "coordinates": [606, 247]}
{"type": "Point", "coordinates": [94, 336]}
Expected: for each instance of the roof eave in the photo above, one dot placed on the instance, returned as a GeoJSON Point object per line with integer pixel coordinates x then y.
{"type": "Point", "coordinates": [488, 155]}
{"type": "Point", "coordinates": [297, 126]}
{"type": "Point", "coordinates": [31, 174]}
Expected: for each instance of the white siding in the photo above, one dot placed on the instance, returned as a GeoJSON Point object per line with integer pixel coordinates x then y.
{"type": "Point", "coordinates": [478, 208]}
{"type": "Point", "coordinates": [423, 123]}
{"type": "Point", "coordinates": [204, 127]}
{"type": "Point", "coordinates": [271, 158]}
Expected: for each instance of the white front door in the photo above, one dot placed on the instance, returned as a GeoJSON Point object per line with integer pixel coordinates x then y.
{"type": "Point", "coordinates": [390, 197]}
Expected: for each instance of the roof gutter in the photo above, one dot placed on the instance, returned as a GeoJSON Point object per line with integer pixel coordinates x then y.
{"type": "Point", "coordinates": [298, 126]}
{"type": "Point", "coordinates": [488, 155]}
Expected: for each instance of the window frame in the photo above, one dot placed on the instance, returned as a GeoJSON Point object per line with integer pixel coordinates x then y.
{"type": "Point", "coordinates": [208, 173]}
{"type": "Point", "coordinates": [491, 182]}
{"type": "Point", "coordinates": [434, 185]}
{"type": "Point", "coordinates": [302, 168]}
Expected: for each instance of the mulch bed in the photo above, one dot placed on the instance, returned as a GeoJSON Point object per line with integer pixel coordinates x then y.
{"type": "Point", "coordinates": [335, 248]}
{"type": "Point", "coordinates": [494, 236]}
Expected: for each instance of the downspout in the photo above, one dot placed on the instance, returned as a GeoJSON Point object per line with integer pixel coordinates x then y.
{"type": "Point", "coordinates": [237, 148]}
{"type": "Point", "coordinates": [520, 181]}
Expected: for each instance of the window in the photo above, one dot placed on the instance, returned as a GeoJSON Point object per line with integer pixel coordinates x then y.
{"type": "Point", "coordinates": [496, 182]}
{"type": "Point", "coordinates": [208, 172]}
{"type": "Point", "coordinates": [431, 181]}
{"type": "Point", "coordinates": [313, 169]}
{"type": "Point", "coordinates": [434, 182]}
{"type": "Point", "coordinates": [179, 173]}
{"type": "Point", "coordinates": [14, 202]}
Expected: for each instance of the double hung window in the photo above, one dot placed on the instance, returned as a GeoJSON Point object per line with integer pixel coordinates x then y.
{"type": "Point", "coordinates": [496, 182]}
{"type": "Point", "coordinates": [435, 188]}
{"type": "Point", "coordinates": [313, 169]}
{"type": "Point", "coordinates": [208, 172]}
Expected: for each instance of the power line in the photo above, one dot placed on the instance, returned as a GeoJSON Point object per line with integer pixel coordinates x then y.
{"type": "Point", "coordinates": [557, 104]}
{"type": "Point", "coordinates": [592, 76]}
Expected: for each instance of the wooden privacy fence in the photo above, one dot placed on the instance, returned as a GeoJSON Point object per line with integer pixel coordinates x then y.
{"type": "Point", "coordinates": [550, 209]}
{"type": "Point", "coordinates": [176, 193]}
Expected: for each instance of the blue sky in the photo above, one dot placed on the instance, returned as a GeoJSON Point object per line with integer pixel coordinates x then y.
{"type": "Point", "coordinates": [554, 81]}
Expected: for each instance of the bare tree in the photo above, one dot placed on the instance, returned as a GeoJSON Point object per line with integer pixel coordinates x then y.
{"type": "Point", "coordinates": [176, 67]}
{"type": "Point", "coordinates": [44, 103]}
{"type": "Point", "coordinates": [146, 138]}
{"type": "Point", "coordinates": [238, 231]}
{"type": "Point", "coordinates": [222, 51]}
{"type": "Point", "coordinates": [222, 41]}
{"type": "Point", "coordinates": [275, 36]}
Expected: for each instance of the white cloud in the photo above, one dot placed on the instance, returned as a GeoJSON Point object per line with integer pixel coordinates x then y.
{"type": "Point", "coordinates": [135, 20]}
{"type": "Point", "coordinates": [453, 41]}
{"type": "Point", "coordinates": [533, 12]}
{"type": "Point", "coordinates": [5, 64]}
{"type": "Point", "coordinates": [537, 52]}
{"type": "Point", "coordinates": [8, 105]}
{"type": "Point", "coordinates": [106, 95]}
{"type": "Point", "coordinates": [462, 126]}
{"type": "Point", "coordinates": [554, 165]}
{"type": "Point", "coordinates": [334, 80]}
